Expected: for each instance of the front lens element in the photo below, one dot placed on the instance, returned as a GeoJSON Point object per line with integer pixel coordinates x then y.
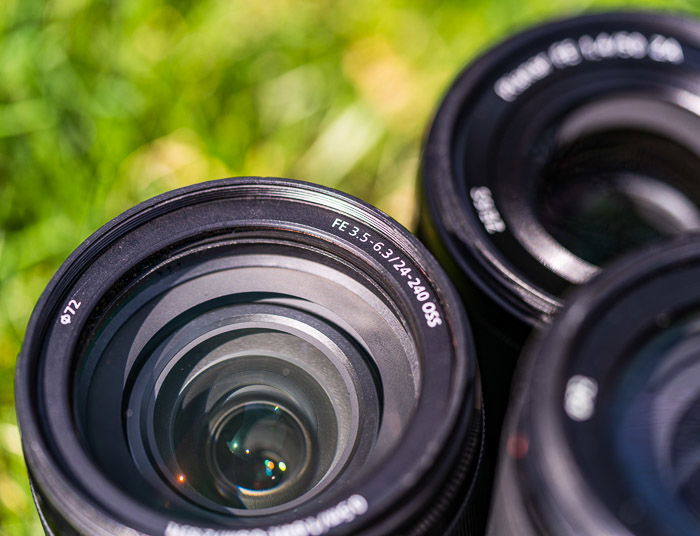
{"type": "Point", "coordinates": [256, 404]}
{"type": "Point", "coordinates": [259, 447]}
{"type": "Point", "coordinates": [611, 192]}
{"type": "Point", "coordinates": [237, 422]}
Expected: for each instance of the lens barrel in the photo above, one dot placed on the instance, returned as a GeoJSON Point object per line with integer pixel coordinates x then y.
{"type": "Point", "coordinates": [557, 150]}
{"type": "Point", "coordinates": [598, 439]}
{"type": "Point", "coordinates": [251, 357]}
{"type": "Point", "coordinates": [552, 153]}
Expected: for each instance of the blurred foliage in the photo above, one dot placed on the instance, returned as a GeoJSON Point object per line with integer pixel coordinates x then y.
{"type": "Point", "coordinates": [106, 103]}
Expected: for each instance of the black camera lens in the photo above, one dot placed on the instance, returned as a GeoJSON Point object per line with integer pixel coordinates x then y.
{"type": "Point", "coordinates": [255, 357]}
{"type": "Point", "coordinates": [550, 155]}
{"type": "Point", "coordinates": [602, 435]}
{"type": "Point", "coordinates": [558, 150]}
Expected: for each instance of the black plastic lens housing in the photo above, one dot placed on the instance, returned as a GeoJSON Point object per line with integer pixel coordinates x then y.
{"type": "Point", "coordinates": [558, 150]}
{"type": "Point", "coordinates": [552, 153]}
{"type": "Point", "coordinates": [251, 356]}
{"type": "Point", "coordinates": [602, 434]}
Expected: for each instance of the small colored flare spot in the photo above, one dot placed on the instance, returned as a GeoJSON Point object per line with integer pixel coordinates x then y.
{"type": "Point", "coordinates": [517, 446]}
{"type": "Point", "coordinates": [181, 479]}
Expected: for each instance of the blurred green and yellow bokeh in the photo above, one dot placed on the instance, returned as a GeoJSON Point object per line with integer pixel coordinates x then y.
{"type": "Point", "coordinates": [106, 103]}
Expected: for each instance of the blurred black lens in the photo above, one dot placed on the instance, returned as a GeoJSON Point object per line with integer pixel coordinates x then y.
{"type": "Point", "coordinates": [253, 357]}
{"type": "Point", "coordinates": [558, 150]}
{"type": "Point", "coordinates": [602, 435]}
{"type": "Point", "coordinates": [550, 155]}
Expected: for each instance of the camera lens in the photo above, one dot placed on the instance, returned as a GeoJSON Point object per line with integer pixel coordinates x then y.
{"type": "Point", "coordinates": [558, 150]}
{"type": "Point", "coordinates": [550, 155]}
{"type": "Point", "coordinates": [602, 435]}
{"type": "Point", "coordinates": [252, 356]}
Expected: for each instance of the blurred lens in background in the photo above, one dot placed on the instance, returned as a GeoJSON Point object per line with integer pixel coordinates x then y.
{"type": "Point", "coordinates": [601, 436]}
{"type": "Point", "coordinates": [558, 150]}
{"type": "Point", "coordinates": [553, 153]}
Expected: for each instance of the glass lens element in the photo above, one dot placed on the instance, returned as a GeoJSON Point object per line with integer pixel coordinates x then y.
{"type": "Point", "coordinates": [249, 447]}
{"type": "Point", "coordinates": [611, 192]}
{"type": "Point", "coordinates": [260, 447]}
{"type": "Point", "coordinates": [658, 415]}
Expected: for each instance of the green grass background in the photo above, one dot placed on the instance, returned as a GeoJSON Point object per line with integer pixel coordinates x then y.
{"type": "Point", "coordinates": [104, 103]}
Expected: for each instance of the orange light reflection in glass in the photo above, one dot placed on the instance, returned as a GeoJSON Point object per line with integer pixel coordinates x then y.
{"type": "Point", "coordinates": [181, 479]}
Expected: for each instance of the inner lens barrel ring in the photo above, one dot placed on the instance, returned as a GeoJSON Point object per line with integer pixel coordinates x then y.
{"type": "Point", "coordinates": [196, 333]}
{"type": "Point", "coordinates": [589, 192]}
{"type": "Point", "coordinates": [663, 379]}
{"type": "Point", "coordinates": [255, 338]}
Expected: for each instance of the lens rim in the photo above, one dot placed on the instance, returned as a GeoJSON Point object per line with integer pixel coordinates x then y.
{"type": "Point", "coordinates": [507, 142]}
{"type": "Point", "coordinates": [305, 208]}
{"type": "Point", "coordinates": [591, 340]}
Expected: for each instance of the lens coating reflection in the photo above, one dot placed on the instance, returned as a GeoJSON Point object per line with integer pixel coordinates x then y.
{"type": "Point", "coordinates": [259, 447]}
{"type": "Point", "coordinates": [250, 428]}
{"type": "Point", "coordinates": [654, 419]}
{"type": "Point", "coordinates": [611, 192]}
